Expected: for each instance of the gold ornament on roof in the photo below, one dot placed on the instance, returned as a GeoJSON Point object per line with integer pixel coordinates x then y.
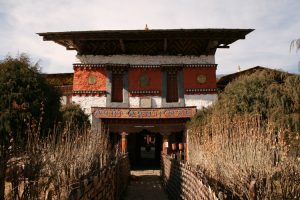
{"type": "Point", "coordinates": [146, 28]}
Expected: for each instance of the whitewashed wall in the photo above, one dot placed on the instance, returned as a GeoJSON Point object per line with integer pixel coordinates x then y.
{"type": "Point", "coordinates": [200, 100]}
{"type": "Point", "coordinates": [63, 100]}
{"type": "Point", "coordinates": [149, 60]}
{"type": "Point", "coordinates": [134, 102]}
{"type": "Point", "coordinates": [156, 102]}
{"type": "Point", "coordinates": [86, 102]}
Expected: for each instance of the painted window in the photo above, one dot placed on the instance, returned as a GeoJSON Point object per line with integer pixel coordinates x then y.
{"type": "Point", "coordinates": [172, 87]}
{"type": "Point", "coordinates": [117, 87]}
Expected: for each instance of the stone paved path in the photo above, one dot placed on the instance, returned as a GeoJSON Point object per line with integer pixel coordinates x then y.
{"type": "Point", "coordinates": [145, 185]}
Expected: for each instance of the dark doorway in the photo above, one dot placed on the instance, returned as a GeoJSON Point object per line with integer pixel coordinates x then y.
{"type": "Point", "coordinates": [144, 149]}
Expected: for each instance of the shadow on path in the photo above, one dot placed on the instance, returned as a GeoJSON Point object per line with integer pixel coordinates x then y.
{"type": "Point", "coordinates": [145, 185]}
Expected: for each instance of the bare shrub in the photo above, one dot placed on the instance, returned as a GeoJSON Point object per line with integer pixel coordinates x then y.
{"type": "Point", "coordinates": [243, 151]}
{"type": "Point", "coordinates": [50, 168]}
{"type": "Point", "coordinates": [248, 141]}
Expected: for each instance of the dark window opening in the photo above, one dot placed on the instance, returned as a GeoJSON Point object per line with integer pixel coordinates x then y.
{"type": "Point", "coordinates": [144, 150]}
{"type": "Point", "coordinates": [172, 88]}
{"type": "Point", "coordinates": [117, 88]}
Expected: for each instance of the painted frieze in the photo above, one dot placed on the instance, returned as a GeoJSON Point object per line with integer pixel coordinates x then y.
{"type": "Point", "coordinates": [144, 113]}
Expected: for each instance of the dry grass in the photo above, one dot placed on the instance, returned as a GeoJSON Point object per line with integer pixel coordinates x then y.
{"type": "Point", "coordinates": [244, 151]}
{"type": "Point", "coordinates": [50, 168]}
{"type": "Point", "coordinates": [248, 141]}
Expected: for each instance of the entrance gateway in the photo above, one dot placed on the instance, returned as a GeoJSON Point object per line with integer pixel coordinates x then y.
{"type": "Point", "coordinates": [144, 85]}
{"type": "Point", "coordinates": [146, 132]}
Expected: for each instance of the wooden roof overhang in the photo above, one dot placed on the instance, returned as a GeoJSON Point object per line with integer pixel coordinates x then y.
{"type": "Point", "coordinates": [147, 42]}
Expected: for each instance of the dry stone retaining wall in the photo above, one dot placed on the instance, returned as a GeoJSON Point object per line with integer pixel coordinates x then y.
{"type": "Point", "coordinates": [109, 184]}
{"type": "Point", "coordinates": [182, 181]}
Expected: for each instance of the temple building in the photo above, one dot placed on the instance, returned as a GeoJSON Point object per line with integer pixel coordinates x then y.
{"type": "Point", "coordinates": [64, 83]}
{"type": "Point", "coordinates": [144, 85]}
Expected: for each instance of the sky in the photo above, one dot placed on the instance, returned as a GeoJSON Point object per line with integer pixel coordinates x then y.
{"type": "Point", "coordinates": [276, 24]}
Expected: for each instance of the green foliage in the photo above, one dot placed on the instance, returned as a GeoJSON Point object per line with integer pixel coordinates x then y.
{"type": "Point", "coordinates": [27, 101]}
{"type": "Point", "coordinates": [272, 94]}
{"type": "Point", "coordinates": [74, 119]}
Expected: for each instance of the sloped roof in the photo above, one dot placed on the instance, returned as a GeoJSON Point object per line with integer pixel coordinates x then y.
{"type": "Point", "coordinates": [224, 80]}
{"type": "Point", "coordinates": [61, 79]}
{"type": "Point", "coordinates": [147, 42]}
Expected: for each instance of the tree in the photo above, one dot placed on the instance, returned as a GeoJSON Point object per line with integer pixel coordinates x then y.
{"type": "Point", "coordinates": [296, 44]}
{"type": "Point", "coordinates": [74, 119]}
{"type": "Point", "coordinates": [28, 104]}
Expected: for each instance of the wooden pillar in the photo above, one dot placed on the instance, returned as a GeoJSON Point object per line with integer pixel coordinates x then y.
{"type": "Point", "coordinates": [186, 146]}
{"type": "Point", "coordinates": [166, 143]}
{"type": "Point", "coordinates": [124, 142]}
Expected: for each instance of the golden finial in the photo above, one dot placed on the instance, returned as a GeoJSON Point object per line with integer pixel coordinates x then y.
{"type": "Point", "coordinates": [239, 68]}
{"type": "Point", "coordinates": [146, 28]}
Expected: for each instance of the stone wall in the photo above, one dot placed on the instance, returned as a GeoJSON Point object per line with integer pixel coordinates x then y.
{"type": "Point", "coordinates": [108, 184]}
{"type": "Point", "coordinates": [182, 181]}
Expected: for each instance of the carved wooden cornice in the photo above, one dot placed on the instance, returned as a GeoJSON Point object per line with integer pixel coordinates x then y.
{"type": "Point", "coordinates": [200, 90]}
{"type": "Point", "coordinates": [110, 66]}
{"type": "Point", "coordinates": [145, 92]}
{"type": "Point", "coordinates": [89, 92]}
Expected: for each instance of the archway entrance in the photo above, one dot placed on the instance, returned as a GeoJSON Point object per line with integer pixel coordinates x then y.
{"type": "Point", "coordinates": [145, 139]}
{"type": "Point", "coordinates": [144, 149]}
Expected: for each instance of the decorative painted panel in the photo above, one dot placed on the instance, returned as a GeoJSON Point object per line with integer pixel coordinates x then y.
{"type": "Point", "coordinates": [144, 81]}
{"type": "Point", "coordinates": [200, 80]}
{"type": "Point", "coordinates": [89, 80]}
{"type": "Point", "coordinates": [144, 113]}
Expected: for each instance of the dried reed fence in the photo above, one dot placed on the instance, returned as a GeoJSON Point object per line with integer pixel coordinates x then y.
{"type": "Point", "coordinates": [50, 167]}
{"type": "Point", "coordinates": [246, 157]}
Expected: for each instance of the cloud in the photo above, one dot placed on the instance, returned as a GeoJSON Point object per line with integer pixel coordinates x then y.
{"type": "Point", "coordinates": [277, 22]}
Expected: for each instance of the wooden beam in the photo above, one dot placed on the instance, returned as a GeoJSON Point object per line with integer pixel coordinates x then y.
{"type": "Point", "coordinates": [223, 46]}
{"type": "Point", "coordinates": [165, 44]}
{"type": "Point", "coordinates": [212, 44]}
{"type": "Point", "coordinates": [69, 44]}
{"type": "Point", "coordinates": [211, 47]}
{"type": "Point", "coordinates": [122, 45]}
